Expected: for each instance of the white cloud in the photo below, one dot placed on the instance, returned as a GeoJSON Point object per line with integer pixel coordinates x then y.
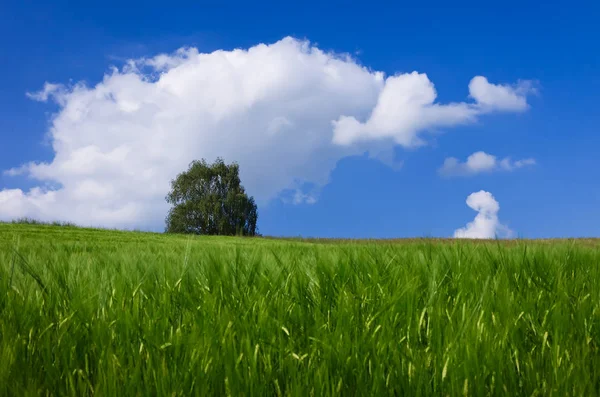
{"type": "Point", "coordinates": [286, 112]}
{"type": "Point", "coordinates": [16, 171]}
{"type": "Point", "coordinates": [506, 163]}
{"type": "Point", "coordinates": [303, 198]}
{"type": "Point", "coordinates": [45, 93]}
{"type": "Point", "coordinates": [500, 97]}
{"type": "Point", "coordinates": [406, 106]}
{"type": "Point", "coordinates": [480, 162]}
{"type": "Point", "coordinates": [486, 224]}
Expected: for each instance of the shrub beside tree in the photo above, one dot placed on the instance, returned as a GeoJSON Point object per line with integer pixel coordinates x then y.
{"type": "Point", "coordinates": [209, 199]}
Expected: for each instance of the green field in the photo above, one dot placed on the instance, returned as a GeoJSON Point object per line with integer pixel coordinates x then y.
{"type": "Point", "coordinates": [107, 313]}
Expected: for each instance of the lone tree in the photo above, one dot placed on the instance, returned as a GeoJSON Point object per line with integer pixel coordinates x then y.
{"type": "Point", "coordinates": [209, 199]}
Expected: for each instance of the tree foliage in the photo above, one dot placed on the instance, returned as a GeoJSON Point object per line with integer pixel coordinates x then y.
{"type": "Point", "coordinates": [209, 199]}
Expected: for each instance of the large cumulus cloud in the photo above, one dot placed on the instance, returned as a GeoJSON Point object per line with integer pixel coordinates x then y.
{"type": "Point", "coordinates": [286, 112]}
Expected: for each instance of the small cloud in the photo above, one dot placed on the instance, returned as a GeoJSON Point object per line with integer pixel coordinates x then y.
{"type": "Point", "coordinates": [46, 92]}
{"type": "Point", "coordinates": [500, 97]}
{"type": "Point", "coordinates": [17, 171]}
{"type": "Point", "coordinates": [298, 196]}
{"type": "Point", "coordinates": [165, 62]}
{"type": "Point", "coordinates": [303, 198]}
{"type": "Point", "coordinates": [506, 164]}
{"type": "Point", "coordinates": [486, 224]}
{"type": "Point", "coordinates": [278, 124]}
{"type": "Point", "coordinates": [480, 162]}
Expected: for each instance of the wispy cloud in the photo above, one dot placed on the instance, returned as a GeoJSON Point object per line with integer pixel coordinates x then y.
{"type": "Point", "coordinates": [481, 162]}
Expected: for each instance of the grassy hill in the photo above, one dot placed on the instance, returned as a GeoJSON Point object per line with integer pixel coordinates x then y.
{"type": "Point", "coordinates": [95, 312]}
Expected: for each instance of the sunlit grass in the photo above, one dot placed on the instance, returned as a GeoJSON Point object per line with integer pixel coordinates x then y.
{"type": "Point", "coordinates": [91, 312]}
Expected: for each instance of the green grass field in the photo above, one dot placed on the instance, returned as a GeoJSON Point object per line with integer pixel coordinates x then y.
{"type": "Point", "coordinates": [106, 313]}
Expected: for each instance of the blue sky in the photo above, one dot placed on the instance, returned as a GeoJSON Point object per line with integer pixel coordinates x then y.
{"type": "Point", "coordinates": [352, 194]}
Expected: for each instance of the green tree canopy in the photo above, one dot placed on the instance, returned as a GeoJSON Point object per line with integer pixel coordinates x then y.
{"type": "Point", "coordinates": [209, 199]}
